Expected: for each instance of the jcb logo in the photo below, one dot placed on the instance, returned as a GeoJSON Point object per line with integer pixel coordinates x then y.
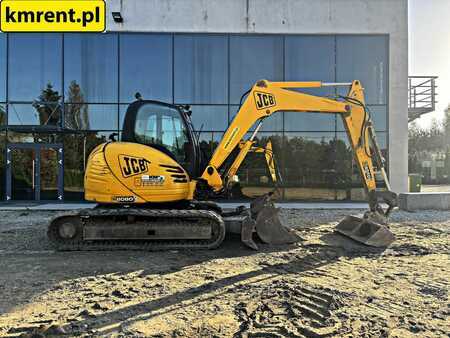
{"type": "Point", "coordinates": [264, 100]}
{"type": "Point", "coordinates": [131, 166]}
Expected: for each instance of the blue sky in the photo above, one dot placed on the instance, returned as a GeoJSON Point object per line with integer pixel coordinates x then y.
{"type": "Point", "coordinates": [429, 48]}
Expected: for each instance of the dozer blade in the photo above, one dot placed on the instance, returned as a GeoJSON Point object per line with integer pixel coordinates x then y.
{"type": "Point", "coordinates": [365, 231]}
{"type": "Point", "coordinates": [270, 229]}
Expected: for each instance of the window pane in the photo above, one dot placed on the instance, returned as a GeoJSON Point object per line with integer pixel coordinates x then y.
{"type": "Point", "coordinates": [253, 58]}
{"type": "Point", "coordinates": [91, 116]}
{"type": "Point", "coordinates": [364, 58]}
{"type": "Point", "coordinates": [2, 114]}
{"type": "Point", "coordinates": [34, 62]}
{"type": "Point", "coordinates": [201, 69]}
{"type": "Point", "coordinates": [378, 114]}
{"type": "Point", "coordinates": [35, 114]}
{"type": "Point", "coordinates": [208, 143]}
{"type": "Point", "coordinates": [347, 173]}
{"type": "Point", "coordinates": [309, 171]}
{"type": "Point", "coordinates": [2, 67]}
{"type": "Point", "coordinates": [90, 62]}
{"type": "Point", "coordinates": [2, 167]}
{"type": "Point", "coordinates": [254, 175]}
{"type": "Point", "coordinates": [310, 58]}
{"type": "Point", "coordinates": [210, 117]}
{"type": "Point", "coordinates": [122, 112]}
{"type": "Point", "coordinates": [309, 121]}
{"type": "Point", "coordinates": [30, 137]}
{"type": "Point", "coordinates": [77, 148]}
{"type": "Point", "coordinates": [160, 125]}
{"type": "Point", "coordinates": [145, 67]}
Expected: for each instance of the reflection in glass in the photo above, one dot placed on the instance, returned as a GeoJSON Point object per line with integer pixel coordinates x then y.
{"type": "Point", "coordinates": [34, 62]}
{"type": "Point", "coordinates": [209, 117]}
{"type": "Point", "coordinates": [29, 137]}
{"type": "Point", "coordinates": [2, 115]}
{"type": "Point", "coordinates": [2, 166]}
{"type": "Point", "coordinates": [254, 175]}
{"type": "Point", "coordinates": [208, 144]}
{"type": "Point", "coordinates": [34, 114]}
{"type": "Point", "coordinates": [294, 121]}
{"type": "Point", "coordinates": [309, 171]}
{"type": "Point", "coordinates": [77, 147]}
{"type": "Point", "coordinates": [146, 67]}
{"type": "Point", "coordinates": [91, 61]}
{"type": "Point", "coordinates": [201, 69]}
{"type": "Point", "coordinates": [48, 107]}
{"type": "Point", "coordinates": [253, 58]}
{"type": "Point", "coordinates": [23, 167]}
{"type": "Point", "coordinates": [2, 67]}
{"type": "Point", "coordinates": [310, 58]}
{"type": "Point", "coordinates": [76, 115]}
{"type": "Point", "coordinates": [49, 174]}
{"type": "Point", "coordinates": [378, 115]}
{"type": "Point", "coordinates": [91, 116]}
{"type": "Point", "coordinates": [364, 58]}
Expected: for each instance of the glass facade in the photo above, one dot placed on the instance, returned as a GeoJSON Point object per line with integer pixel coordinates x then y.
{"type": "Point", "coordinates": [73, 90]}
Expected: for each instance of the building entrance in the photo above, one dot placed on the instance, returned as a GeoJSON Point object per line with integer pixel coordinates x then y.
{"type": "Point", "coordinates": [34, 172]}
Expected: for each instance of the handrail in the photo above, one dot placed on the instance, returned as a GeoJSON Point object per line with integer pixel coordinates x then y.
{"type": "Point", "coordinates": [421, 95]}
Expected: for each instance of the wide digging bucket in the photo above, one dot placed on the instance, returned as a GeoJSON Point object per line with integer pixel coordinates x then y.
{"type": "Point", "coordinates": [365, 231]}
{"type": "Point", "coordinates": [270, 229]}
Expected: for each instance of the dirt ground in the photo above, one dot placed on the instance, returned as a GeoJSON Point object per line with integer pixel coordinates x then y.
{"type": "Point", "coordinates": [324, 286]}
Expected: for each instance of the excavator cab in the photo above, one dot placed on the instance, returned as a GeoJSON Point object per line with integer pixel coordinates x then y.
{"type": "Point", "coordinates": [165, 127]}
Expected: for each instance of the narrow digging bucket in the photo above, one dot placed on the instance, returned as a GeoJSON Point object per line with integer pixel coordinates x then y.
{"type": "Point", "coordinates": [270, 230]}
{"type": "Point", "coordinates": [365, 231]}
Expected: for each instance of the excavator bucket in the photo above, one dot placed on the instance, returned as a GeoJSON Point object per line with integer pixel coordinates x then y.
{"type": "Point", "coordinates": [267, 224]}
{"type": "Point", "coordinates": [270, 229]}
{"type": "Point", "coordinates": [365, 231]}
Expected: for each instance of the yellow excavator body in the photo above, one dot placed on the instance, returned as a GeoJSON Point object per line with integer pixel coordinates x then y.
{"type": "Point", "coordinates": [123, 172]}
{"type": "Point", "coordinates": [154, 189]}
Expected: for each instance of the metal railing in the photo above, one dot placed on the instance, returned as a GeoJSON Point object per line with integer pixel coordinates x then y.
{"type": "Point", "coordinates": [421, 96]}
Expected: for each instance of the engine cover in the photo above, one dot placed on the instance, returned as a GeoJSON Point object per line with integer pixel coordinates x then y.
{"type": "Point", "coordinates": [122, 172]}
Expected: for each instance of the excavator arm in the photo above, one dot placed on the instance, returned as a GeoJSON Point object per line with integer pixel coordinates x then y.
{"type": "Point", "coordinates": [266, 98]}
{"type": "Point", "coordinates": [250, 147]}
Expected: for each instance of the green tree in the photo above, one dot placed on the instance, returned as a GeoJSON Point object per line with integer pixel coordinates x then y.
{"type": "Point", "coordinates": [76, 112]}
{"type": "Point", "coordinates": [48, 106]}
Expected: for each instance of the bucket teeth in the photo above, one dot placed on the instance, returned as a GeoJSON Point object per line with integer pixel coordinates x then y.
{"type": "Point", "coordinates": [365, 231]}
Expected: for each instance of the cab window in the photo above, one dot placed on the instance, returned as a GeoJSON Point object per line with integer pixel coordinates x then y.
{"type": "Point", "coordinates": [157, 125]}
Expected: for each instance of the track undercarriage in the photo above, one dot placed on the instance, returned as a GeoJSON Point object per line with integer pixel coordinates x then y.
{"type": "Point", "coordinates": [137, 229]}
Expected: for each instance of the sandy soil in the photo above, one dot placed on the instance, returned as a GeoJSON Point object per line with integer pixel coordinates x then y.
{"type": "Point", "coordinates": [325, 286]}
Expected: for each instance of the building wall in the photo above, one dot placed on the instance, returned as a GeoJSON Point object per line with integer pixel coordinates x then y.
{"type": "Point", "coordinates": [294, 17]}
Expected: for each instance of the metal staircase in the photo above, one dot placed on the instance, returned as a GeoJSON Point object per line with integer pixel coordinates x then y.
{"type": "Point", "coordinates": [421, 96]}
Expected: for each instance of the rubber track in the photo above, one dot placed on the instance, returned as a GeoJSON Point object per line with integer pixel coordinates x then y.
{"type": "Point", "coordinates": [150, 245]}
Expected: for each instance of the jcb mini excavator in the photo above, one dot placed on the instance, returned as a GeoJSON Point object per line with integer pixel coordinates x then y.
{"type": "Point", "coordinates": [154, 188]}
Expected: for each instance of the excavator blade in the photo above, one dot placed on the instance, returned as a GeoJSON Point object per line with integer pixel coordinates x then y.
{"type": "Point", "coordinates": [365, 231]}
{"type": "Point", "coordinates": [270, 229]}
